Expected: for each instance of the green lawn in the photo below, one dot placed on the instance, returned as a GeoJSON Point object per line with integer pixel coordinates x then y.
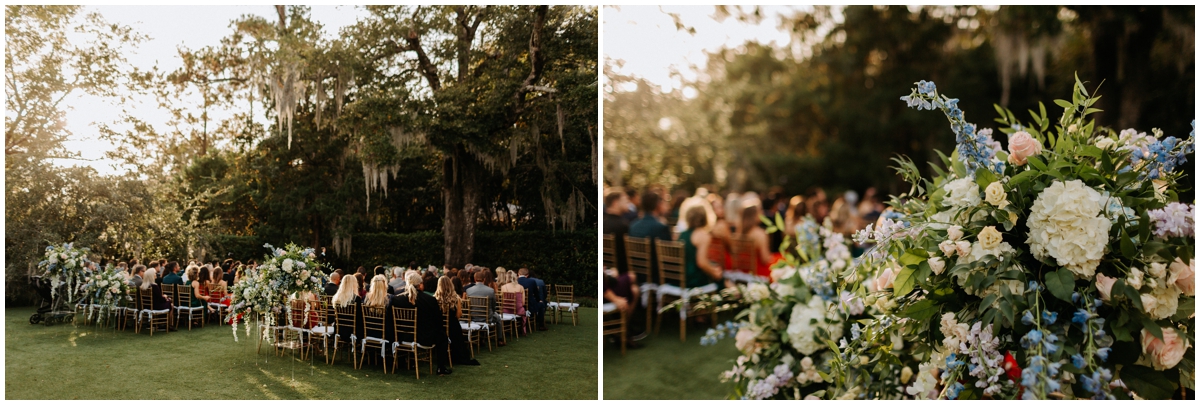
{"type": "Point", "coordinates": [69, 362]}
{"type": "Point", "coordinates": [665, 368]}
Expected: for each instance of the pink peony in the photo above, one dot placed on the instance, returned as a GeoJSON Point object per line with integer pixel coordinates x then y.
{"type": "Point", "coordinates": [1104, 284]}
{"type": "Point", "coordinates": [1166, 353]}
{"type": "Point", "coordinates": [1021, 146]}
{"type": "Point", "coordinates": [1184, 276]}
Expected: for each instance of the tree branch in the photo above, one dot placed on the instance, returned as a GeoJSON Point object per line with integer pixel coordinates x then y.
{"type": "Point", "coordinates": [536, 60]}
{"type": "Point", "coordinates": [426, 66]}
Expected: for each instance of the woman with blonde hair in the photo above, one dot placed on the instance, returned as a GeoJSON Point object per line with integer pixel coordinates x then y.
{"type": "Point", "coordinates": [347, 293]}
{"type": "Point", "coordinates": [161, 301]}
{"type": "Point", "coordinates": [510, 286]}
{"type": "Point", "coordinates": [377, 296]}
{"type": "Point", "coordinates": [451, 306]}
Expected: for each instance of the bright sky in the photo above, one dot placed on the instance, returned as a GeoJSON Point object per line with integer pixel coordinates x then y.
{"type": "Point", "coordinates": [168, 28]}
{"type": "Point", "coordinates": [646, 38]}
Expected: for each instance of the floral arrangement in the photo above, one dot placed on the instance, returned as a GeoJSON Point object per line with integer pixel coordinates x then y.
{"type": "Point", "coordinates": [1059, 268]}
{"type": "Point", "coordinates": [266, 290]}
{"type": "Point", "coordinates": [783, 331]}
{"type": "Point", "coordinates": [64, 265]}
{"type": "Point", "coordinates": [106, 290]}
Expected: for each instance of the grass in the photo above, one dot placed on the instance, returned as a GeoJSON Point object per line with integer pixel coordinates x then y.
{"type": "Point", "coordinates": [85, 362]}
{"type": "Point", "coordinates": [665, 368]}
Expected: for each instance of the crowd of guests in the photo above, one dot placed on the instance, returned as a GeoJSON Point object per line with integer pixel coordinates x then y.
{"type": "Point", "coordinates": [432, 294]}
{"type": "Point", "coordinates": [708, 224]}
{"type": "Point", "coordinates": [435, 296]}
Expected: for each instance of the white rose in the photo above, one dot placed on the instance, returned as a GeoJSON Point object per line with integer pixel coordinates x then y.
{"type": "Point", "coordinates": [1162, 302]}
{"type": "Point", "coordinates": [948, 248]}
{"type": "Point", "coordinates": [990, 238]}
{"type": "Point", "coordinates": [287, 264]}
{"type": "Point", "coordinates": [963, 247]}
{"type": "Point", "coordinates": [1066, 224]}
{"type": "Point", "coordinates": [1105, 143]}
{"type": "Point", "coordinates": [961, 193]}
{"type": "Point", "coordinates": [1135, 278]}
{"type": "Point", "coordinates": [1157, 269]}
{"type": "Point", "coordinates": [994, 194]}
{"type": "Point", "coordinates": [937, 265]}
{"type": "Point", "coordinates": [954, 233]}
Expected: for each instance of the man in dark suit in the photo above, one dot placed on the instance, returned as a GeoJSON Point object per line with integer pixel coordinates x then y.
{"type": "Point", "coordinates": [430, 332]}
{"type": "Point", "coordinates": [537, 297]}
{"type": "Point", "coordinates": [335, 278]}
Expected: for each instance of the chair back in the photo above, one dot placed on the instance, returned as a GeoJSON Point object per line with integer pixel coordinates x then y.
{"type": "Point", "coordinates": [479, 309]}
{"type": "Point", "coordinates": [508, 302]}
{"type": "Point", "coordinates": [745, 256]}
{"type": "Point", "coordinates": [373, 320]}
{"type": "Point", "coordinates": [610, 251]}
{"type": "Point", "coordinates": [564, 293]}
{"type": "Point", "coordinates": [183, 296]}
{"type": "Point", "coordinates": [671, 265]}
{"type": "Point", "coordinates": [345, 318]}
{"type": "Point", "coordinates": [638, 257]}
{"type": "Point", "coordinates": [216, 291]}
{"type": "Point", "coordinates": [169, 291]}
{"type": "Point", "coordinates": [145, 298]}
{"type": "Point", "coordinates": [405, 324]}
{"type": "Point", "coordinates": [718, 251]}
{"type": "Point", "coordinates": [327, 312]}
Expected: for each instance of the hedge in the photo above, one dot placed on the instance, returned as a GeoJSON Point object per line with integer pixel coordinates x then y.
{"type": "Point", "coordinates": [558, 257]}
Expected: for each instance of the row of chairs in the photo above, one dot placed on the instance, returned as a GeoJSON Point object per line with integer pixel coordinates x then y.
{"type": "Point", "coordinates": [330, 319]}
{"type": "Point", "coordinates": [140, 304]}
{"type": "Point", "coordinates": [671, 274]}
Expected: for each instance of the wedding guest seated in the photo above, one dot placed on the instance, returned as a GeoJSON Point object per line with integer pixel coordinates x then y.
{"type": "Point", "coordinates": [431, 283]}
{"type": "Point", "coordinates": [430, 332]}
{"type": "Point", "coordinates": [749, 229]}
{"type": "Point", "coordinates": [172, 277]}
{"type": "Point", "coordinates": [378, 297]}
{"type": "Point", "coordinates": [161, 301]}
{"type": "Point", "coordinates": [347, 296]}
{"type": "Point", "coordinates": [361, 275]}
{"type": "Point", "coordinates": [480, 289]}
{"type": "Point", "coordinates": [397, 281]}
{"type": "Point", "coordinates": [537, 297]}
{"type": "Point", "coordinates": [200, 282]}
{"type": "Point", "coordinates": [450, 303]}
{"type": "Point", "coordinates": [697, 268]}
{"type": "Point", "coordinates": [458, 287]}
{"type": "Point", "coordinates": [508, 284]}
{"type": "Point", "coordinates": [136, 279]}
{"type": "Point", "coordinates": [331, 287]}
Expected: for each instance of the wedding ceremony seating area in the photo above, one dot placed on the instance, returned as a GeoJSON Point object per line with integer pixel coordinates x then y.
{"type": "Point", "coordinates": [372, 328]}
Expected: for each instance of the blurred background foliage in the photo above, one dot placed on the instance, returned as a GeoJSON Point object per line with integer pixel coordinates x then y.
{"type": "Point", "coordinates": [830, 115]}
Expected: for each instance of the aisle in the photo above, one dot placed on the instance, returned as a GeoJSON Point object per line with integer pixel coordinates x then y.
{"type": "Point", "coordinates": [665, 368]}
{"type": "Point", "coordinates": [65, 362]}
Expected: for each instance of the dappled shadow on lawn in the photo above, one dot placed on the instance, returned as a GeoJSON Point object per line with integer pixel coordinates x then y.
{"type": "Point", "coordinates": [86, 362]}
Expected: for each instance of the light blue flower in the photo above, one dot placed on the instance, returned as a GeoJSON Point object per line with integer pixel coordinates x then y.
{"type": "Point", "coordinates": [1103, 352]}
{"type": "Point", "coordinates": [1078, 361]}
{"type": "Point", "coordinates": [1050, 317]}
{"type": "Point", "coordinates": [1027, 317]}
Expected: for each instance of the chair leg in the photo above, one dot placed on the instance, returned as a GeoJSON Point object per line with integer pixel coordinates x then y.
{"type": "Point", "coordinates": [683, 329]}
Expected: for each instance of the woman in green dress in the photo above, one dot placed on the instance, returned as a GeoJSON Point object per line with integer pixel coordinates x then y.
{"type": "Point", "coordinates": [697, 268]}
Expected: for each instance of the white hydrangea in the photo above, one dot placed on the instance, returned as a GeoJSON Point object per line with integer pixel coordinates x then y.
{"type": "Point", "coordinates": [806, 319]}
{"type": "Point", "coordinates": [1162, 302]}
{"type": "Point", "coordinates": [1065, 223]}
{"type": "Point", "coordinates": [756, 292]}
{"type": "Point", "coordinates": [287, 264]}
{"type": "Point", "coordinates": [961, 193]}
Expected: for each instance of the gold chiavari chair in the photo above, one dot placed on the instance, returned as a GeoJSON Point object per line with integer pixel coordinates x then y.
{"type": "Point", "coordinates": [564, 296]}
{"type": "Point", "coordinates": [374, 321]}
{"type": "Point", "coordinates": [405, 324]}
{"type": "Point", "coordinates": [183, 303]}
{"type": "Point", "coordinates": [345, 327]}
{"type": "Point", "coordinates": [638, 258]}
{"type": "Point", "coordinates": [480, 309]}
{"type": "Point", "coordinates": [614, 323]}
{"type": "Point", "coordinates": [610, 251]}
{"type": "Point", "coordinates": [154, 317]}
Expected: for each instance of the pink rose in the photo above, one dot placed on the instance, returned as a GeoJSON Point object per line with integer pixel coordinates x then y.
{"type": "Point", "coordinates": [885, 279]}
{"type": "Point", "coordinates": [1184, 276]}
{"type": "Point", "coordinates": [1021, 146]}
{"type": "Point", "coordinates": [1104, 284]}
{"type": "Point", "coordinates": [1166, 353]}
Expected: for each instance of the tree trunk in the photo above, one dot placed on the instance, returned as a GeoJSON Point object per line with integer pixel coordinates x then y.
{"type": "Point", "coordinates": [460, 194]}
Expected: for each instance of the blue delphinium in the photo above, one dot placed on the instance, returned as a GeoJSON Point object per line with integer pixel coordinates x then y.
{"type": "Point", "coordinates": [1163, 155]}
{"type": "Point", "coordinates": [1049, 317]}
{"type": "Point", "coordinates": [1027, 317]}
{"type": "Point", "coordinates": [973, 148]}
{"type": "Point", "coordinates": [954, 390]}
